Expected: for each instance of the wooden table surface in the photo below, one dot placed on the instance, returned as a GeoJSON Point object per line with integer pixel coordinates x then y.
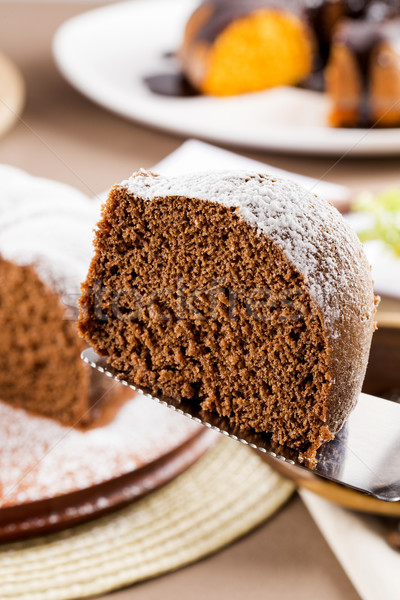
{"type": "Point", "coordinates": [63, 136]}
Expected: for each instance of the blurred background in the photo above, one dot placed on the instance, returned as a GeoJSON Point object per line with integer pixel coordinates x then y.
{"type": "Point", "coordinates": [102, 492]}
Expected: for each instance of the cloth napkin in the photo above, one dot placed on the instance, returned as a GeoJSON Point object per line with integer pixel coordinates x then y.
{"type": "Point", "coordinates": [357, 541]}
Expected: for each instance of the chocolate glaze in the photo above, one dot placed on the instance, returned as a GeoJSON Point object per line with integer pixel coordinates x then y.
{"type": "Point", "coordinates": [315, 12]}
{"type": "Point", "coordinates": [315, 82]}
{"type": "Point", "coordinates": [169, 54]}
{"type": "Point", "coordinates": [224, 12]}
{"type": "Point", "coordinates": [321, 22]}
{"type": "Point", "coordinates": [322, 16]}
{"type": "Point", "coordinates": [375, 10]}
{"type": "Point", "coordinates": [356, 9]}
{"type": "Point", "coordinates": [170, 84]}
{"type": "Point", "coordinates": [363, 38]}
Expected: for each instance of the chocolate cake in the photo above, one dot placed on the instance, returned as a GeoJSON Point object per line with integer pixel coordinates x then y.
{"type": "Point", "coordinates": [243, 293]}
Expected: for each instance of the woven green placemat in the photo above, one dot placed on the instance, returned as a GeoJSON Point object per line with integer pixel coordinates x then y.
{"type": "Point", "coordinates": [223, 496]}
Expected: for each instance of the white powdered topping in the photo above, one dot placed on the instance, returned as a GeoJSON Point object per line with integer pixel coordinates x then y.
{"type": "Point", "coordinates": [312, 233]}
{"type": "Point", "coordinates": [41, 458]}
{"type": "Point", "coordinates": [47, 224]}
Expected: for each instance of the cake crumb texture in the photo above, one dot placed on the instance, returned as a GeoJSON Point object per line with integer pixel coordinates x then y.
{"type": "Point", "coordinates": [40, 365]}
{"type": "Point", "coordinates": [243, 293]}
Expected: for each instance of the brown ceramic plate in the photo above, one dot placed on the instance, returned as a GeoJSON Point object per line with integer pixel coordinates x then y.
{"type": "Point", "coordinates": [53, 514]}
{"type": "Point", "coordinates": [53, 476]}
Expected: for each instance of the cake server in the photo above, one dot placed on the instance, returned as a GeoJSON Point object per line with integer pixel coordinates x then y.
{"type": "Point", "coordinates": [365, 454]}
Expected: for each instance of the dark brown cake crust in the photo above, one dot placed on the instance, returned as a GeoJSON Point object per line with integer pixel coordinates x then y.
{"type": "Point", "coordinates": [188, 300]}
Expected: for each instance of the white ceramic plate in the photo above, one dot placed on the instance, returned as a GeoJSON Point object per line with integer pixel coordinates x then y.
{"type": "Point", "coordinates": [105, 54]}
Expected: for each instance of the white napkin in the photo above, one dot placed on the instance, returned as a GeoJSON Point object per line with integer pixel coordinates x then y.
{"type": "Point", "coordinates": [198, 156]}
{"type": "Point", "coordinates": [357, 541]}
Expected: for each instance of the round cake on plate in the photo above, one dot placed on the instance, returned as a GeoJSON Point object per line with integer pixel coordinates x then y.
{"type": "Point", "coordinates": [239, 46]}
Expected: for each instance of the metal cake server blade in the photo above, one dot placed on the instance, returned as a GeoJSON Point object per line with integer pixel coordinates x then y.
{"type": "Point", "coordinates": [365, 454]}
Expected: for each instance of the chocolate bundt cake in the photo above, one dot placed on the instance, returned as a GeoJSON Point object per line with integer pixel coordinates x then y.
{"type": "Point", "coordinates": [243, 293]}
{"type": "Point", "coordinates": [45, 249]}
{"type": "Point", "coordinates": [238, 46]}
{"type": "Point", "coordinates": [234, 47]}
{"type": "Point", "coordinates": [363, 74]}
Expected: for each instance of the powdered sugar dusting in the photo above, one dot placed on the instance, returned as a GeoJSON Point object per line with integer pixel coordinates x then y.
{"type": "Point", "coordinates": [311, 232]}
{"type": "Point", "coordinates": [48, 224]}
{"type": "Point", "coordinates": [40, 459]}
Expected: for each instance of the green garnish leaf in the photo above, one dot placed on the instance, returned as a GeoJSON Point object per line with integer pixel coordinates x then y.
{"type": "Point", "coordinates": [384, 212]}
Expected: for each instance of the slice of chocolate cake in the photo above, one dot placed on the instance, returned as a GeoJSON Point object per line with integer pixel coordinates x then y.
{"type": "Point", "coordinates": [243, 293]}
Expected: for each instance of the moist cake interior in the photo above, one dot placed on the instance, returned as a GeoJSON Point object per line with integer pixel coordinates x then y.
{"type": "Point", "coordinates": [190, 302]}
{"type": "Point", "coordinates": [40, 365]}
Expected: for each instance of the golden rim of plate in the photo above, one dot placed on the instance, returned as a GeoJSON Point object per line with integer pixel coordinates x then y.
{"type": "Point", "coordinates": [334, 492]}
